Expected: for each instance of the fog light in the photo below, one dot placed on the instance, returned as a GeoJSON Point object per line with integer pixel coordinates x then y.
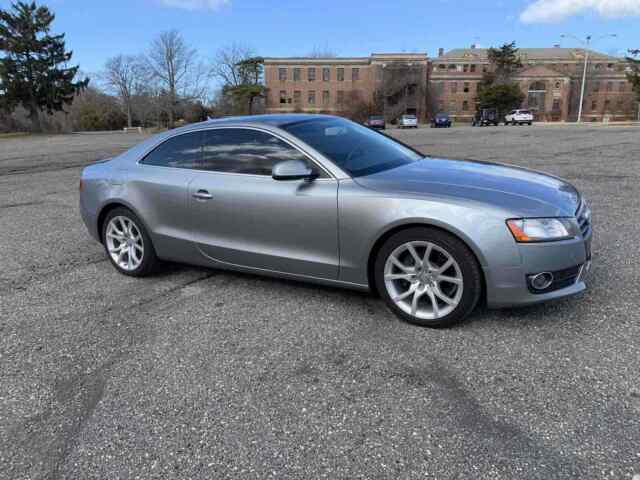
{"type": "Point", "coordinates": [541, 281]}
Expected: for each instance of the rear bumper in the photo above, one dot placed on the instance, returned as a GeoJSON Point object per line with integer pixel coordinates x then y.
{"type": "Point", "coordinates": [508, 286]}
{"type": "Point", "coordinates": [90, 220]}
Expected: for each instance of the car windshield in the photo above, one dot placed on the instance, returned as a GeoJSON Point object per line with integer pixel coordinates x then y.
{"type": "Point", "coordinates": [442, 115]}
{"type": "Point", "coordinates": [525, 112]}
{"type": "Point", "coordinates": [376, 117]}
{"type": "Point", "coordinates": [357, 150]}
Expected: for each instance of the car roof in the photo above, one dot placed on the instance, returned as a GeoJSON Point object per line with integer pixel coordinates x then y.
{"type": "Point", "coordinates": [277, 120]}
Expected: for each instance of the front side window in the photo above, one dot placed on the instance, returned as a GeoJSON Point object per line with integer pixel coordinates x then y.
{"type": "Point", "coordinates": [357, 150]}
{"type": "Point", "coordinates": [250, 152]}
{"type": "Point", "coordinates": [181, 151]}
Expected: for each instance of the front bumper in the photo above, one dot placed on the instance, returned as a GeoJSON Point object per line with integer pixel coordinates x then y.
{"type": "Point", "coordinates": [508, 286]}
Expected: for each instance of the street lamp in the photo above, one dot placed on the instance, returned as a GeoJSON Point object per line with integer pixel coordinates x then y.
{"type": "Point", "coordinates": [587, 43]}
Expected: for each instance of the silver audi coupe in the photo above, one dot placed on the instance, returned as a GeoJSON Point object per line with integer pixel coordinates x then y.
{"type": "Point", "coordinates": [322, 199]}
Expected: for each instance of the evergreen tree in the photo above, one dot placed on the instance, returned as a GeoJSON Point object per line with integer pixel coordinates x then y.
{"type": "Point", "coordinates": [497, 88]}
{"type": "Point", "coordinates": [634, 75]}
{"type": "Point", "coordinates": [33, 68]}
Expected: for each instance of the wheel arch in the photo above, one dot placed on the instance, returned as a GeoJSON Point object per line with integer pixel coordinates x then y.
{"type": "Point", "coordinates": [112, 205]}
{"type": "Point", "coordinates": [392, 230]}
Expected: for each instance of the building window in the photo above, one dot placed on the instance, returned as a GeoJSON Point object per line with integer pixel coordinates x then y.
{"type": "Point", "coordinates": [340, 74]}
{"type": "Point", "coordinates": [596, 87]}
{"type": "Point", "coordinates": [282, 74]}
{"type": "Point", "coordinates": [607, 105]}
{"type": "Point", "coordinates": [326, 98]}
{"type": "Point", "coordinates": [472, 69]}
{"type": "Point", "coordinates": [454, 87]}
{"type": "Point", "coordinates": [620, 105]}
{"type": "Point", "coordinates": [465, 106]}
{"type": "Point", "coordinates": [598, 66]}
{"type": "Point", "coordinates": [556, 105]}
{"type": "Point", "coordinates": [622, 86]}
{"type": "Point", "coordinates": [297, 74]}
{"type": "Point", "coordinates": [297, 97]}
{"type": "Point", "coordinates": [558, 85]}
{"type": "Point", "coordinates": [326, 74]}
{"type": "Point", "coordinates": [452, 67]}
{"type": "Point", "coordinates": [311, 74]}
{"type": "Point", "coordinates": [594, 105]}
{"type": "Point", "coordinates": [485, 69]}
{"type": "Point", "coordinates": [453, 108]}
{"type": "Point", "coordinates": [466, 87]}
{"type": "Point", "coordinates": [283, 96]}
{"type": "Point", "coordinates": [340, 98]}
{"type": "Point", "coordinates": [442, 66]}
{"type": "Point", "coordinates": [609, 86]}
{"type": "Point", "coordinates": [312, 97]}
{"type": "Point", "coordinates": [355, 74]}
{"type": "Point", "coordinates": [465, 68]}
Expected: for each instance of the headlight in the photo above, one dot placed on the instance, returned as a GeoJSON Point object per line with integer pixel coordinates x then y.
{"type": "Point", "coordinates": [527, 230]}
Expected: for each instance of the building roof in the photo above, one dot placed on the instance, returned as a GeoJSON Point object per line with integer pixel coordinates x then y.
{"type": "Point", "coordinates": [375, 57]}
{"type": "Point", "coordinates": [555, 53]}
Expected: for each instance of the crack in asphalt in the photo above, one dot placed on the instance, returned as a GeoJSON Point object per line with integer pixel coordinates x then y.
{"type": "Point", "coordinates": [45, 440]}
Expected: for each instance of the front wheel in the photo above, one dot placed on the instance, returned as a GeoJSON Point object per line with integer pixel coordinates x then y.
{"type": "Point", "coordinates": [128, 244]}
{"type": "Point", "coordinates": [428, 277]}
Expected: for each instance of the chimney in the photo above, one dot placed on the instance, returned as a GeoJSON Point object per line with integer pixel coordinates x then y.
{"type": "Point", "coordinates": [473, 46]}
{"type": "Point", "coordinates": [441, 52]}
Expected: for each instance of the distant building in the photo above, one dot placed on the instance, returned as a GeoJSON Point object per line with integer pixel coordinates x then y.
{"type": "Point", "coordinates": [551, 80]}
{"type": "Point", "coordinates": [391, 83]}
{"type": "Point", "coordinates": [396, 83]}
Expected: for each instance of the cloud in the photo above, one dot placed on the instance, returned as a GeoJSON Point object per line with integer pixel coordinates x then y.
{"type": "Point", "coordinates": [196, 4]}
{"type": "Point", "coordinates": [555, 10]}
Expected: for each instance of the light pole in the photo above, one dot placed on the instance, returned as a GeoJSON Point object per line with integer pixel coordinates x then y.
{"type": "Point", "coordinates": [587, 43]}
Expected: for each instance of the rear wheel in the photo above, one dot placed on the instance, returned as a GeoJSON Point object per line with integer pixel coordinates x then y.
{"type": "Point", "coordinates": [428, 277]}
{"type": "Point", "coordinates": [128, 244]}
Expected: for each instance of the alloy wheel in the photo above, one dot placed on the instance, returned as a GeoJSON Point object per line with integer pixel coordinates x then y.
{"type": "Point", "coordinates": [125, 243]}
{"type": "Point", "coordinates": [423, 280]}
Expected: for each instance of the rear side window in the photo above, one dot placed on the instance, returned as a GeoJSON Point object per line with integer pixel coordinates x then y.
{"type": "Point", "coordinates": [182, 151]}
{"type": "Point", "coordinates": [251, 152]}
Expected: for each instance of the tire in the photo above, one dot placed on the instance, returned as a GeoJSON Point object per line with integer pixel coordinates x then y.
{"type": "Point", "coordinates": [530, 123]}
{"type": "Point", "coordinates": [143, 261]}
{"type": "Point", "coordinates": [463, 297]}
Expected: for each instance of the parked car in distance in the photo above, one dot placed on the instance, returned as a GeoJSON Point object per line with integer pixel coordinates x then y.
{"type": "Point", "coordinates": [322, 199]}
{"type": "Point", "coordinates": [519, 117]}
{"type": "Point", "coordinates": [376, 121]}
{"type": "Point", "coordinates": [441, 120]}
{"type": "Point", "coordinates": [486, 117]}
{"type": "Point", "coordinates": [408, 121]}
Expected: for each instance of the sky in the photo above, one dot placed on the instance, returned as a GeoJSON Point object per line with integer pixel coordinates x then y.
{"type": "Point", "coordinates": [96, 30]}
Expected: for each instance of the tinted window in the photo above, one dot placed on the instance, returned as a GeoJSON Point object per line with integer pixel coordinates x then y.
{"type": "Point", "coordinates": [182, 151]}
{"type": "Point", "coordinates": [237, 150]}
{"type": "Point", "coordinates": [356, 149]}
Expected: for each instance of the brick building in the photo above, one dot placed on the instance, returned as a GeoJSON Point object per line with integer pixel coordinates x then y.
{"type": "Point", "coordinates": [389, 82]}
{"type": "Point", "coordinates": [398, 83]}
{"type": "Point", "coordinates": [551, 80]}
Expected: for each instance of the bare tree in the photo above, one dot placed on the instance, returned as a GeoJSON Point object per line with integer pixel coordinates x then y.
{"type": "Point", "coordinates": [176, 68]}
{"type": "Point", "coordinates": [122, 74]}
{"type": "Point", "coordinates": [227, 64]}
{"type": "Point", "coordinates": [322, 52]}
{"type": "Point", "coordinates": [240, 72]}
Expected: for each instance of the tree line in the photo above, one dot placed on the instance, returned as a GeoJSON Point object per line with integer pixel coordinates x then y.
{"type": "Point", "coordinates": [166, 84]}
{"type": "Point", "coordinates": [170, 82]}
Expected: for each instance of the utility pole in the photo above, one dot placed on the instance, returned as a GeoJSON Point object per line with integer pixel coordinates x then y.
{"type": "Point", "coordinates": [587, 44]}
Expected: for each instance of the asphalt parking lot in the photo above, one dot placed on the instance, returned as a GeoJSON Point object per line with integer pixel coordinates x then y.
{"type": "Point", "coordinates": [204, 374]}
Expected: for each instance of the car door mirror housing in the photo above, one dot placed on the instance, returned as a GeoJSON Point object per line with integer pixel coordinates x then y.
{"type": "Point", "coordinates": [292, 170]}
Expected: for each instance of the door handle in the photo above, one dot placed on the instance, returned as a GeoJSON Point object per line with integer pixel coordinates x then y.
{"type": "Point", "coordinates": [202, 195]}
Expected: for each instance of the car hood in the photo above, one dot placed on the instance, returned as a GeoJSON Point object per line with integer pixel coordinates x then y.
{"type": "Point", "coordinates": [521, 192]}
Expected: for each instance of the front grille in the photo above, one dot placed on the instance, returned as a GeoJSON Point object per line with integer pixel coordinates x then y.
{"type": "Point", "coordinates": [561, 279]}
{"type": "Point", "coordinates": [583, 215]}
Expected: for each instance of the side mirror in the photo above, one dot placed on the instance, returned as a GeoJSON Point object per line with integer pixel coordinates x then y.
{"type": "Point", "coordinates": [292, 170]}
